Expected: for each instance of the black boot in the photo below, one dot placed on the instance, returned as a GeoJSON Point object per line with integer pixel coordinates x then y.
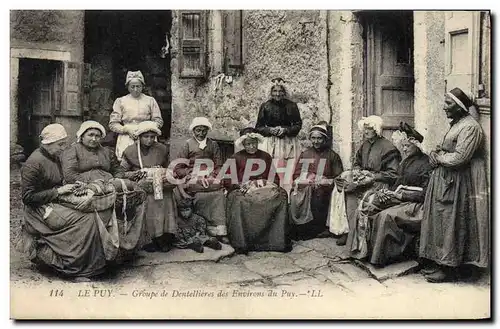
{"type": "Point", "coordinates": [167, 242]}
{"type": "Point", "coordinates": [154, 246]}
{"type": "Point", "coordinates": [196, 246]}
{"type": "Point", "coordinates": [213, 243]}
{"type": "Point", "coordinates": [342, 240]}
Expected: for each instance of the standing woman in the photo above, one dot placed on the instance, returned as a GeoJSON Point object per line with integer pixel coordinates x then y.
{"type": "Point", "coordinates": [132, 109]}
{"type": "Point", "coordinates": [455, 224]}
{"type": "Point", "coordinates": [279, 122]}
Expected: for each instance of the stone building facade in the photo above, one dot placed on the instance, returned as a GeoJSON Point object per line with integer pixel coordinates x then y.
{"type": "Point", "coordinates": [338, 67]}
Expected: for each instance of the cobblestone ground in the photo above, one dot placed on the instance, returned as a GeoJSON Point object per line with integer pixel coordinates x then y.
{"type": "Point", "coordinates": [317, 274]}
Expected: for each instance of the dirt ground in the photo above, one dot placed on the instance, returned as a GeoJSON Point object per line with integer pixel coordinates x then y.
{"type": "Point", "coordinates": [312, 265]}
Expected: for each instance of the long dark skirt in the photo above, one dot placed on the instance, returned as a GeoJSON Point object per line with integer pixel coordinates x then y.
{"type": "Point", "coordinates": [258, 221]}
{"type": "Point", "coordinates": [455, 224]}
{"type": "Point", "coordinates": [393, 232]}
{"type": "Point", "coordinates": [318, 199]}
{"type": "Point", "coordinates": [66, 241]}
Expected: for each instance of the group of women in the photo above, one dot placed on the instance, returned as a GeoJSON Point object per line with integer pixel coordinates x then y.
{"type": "Point", "coordinates": [88, 206]}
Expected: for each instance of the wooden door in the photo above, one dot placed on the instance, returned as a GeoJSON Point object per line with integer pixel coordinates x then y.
{"type": "Point", "coordinates": [390, 77]}
{"type": "Point", "coordinates": [49, 92]}
{"type": "Point", "coordinates": [40, 98]}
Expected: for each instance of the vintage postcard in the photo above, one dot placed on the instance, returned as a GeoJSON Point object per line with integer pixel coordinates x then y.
{"type": "Point", "coordinates": [250, 164]}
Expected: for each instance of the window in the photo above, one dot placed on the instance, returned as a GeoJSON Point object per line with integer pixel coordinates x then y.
{"type": "Point", "coordinates": [192, 63]}
{"type": "Point", "coordinates": [462, 50]}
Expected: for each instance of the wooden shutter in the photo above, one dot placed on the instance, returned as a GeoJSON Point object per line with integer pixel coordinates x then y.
{"type": "Point", "coordinates": [462, 39]}
{"type": "Point", "coordinates": [86, 89]}
{"type": "Point", "coordinates": [72, 96]}
{"type": "Point", "coordinates": [193, 30]}
{"type": "Point", "coordinates": [233, 40]}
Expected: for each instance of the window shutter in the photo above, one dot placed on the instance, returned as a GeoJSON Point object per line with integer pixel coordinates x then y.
{"type": "Point", "coordinates": [72, 96]}
{"type": "Point", "coordinates": [233, 40]}
{"type": "Point", "coordinates": [462, 58]}
{"type": "Point", "coordinates": [193, 30]}
{"type": "Point", "coordinates": [86, 89]}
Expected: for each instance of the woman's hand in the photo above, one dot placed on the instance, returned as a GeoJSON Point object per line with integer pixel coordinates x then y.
{"type": "Point", "coordinates": [384, 195]}
{"type": "Point", "coordinates": [131, 131]}
{"type": "Point", "coordinates": [245, 186]}
{"type": "Point", "coordinates": [138, 175]}
{"type": "Point", "coordinates": [277, 131]}
{"type": "Point", "coordinates": [433, 159]}
{"type": "Point", "coordinates": [367, 179]}
{"type": "Point", "coordinates": [66, 189]}
{"type": "Point", "coordinates": [280, 132]}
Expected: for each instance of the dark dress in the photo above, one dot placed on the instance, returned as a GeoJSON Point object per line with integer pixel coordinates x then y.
{"type": "Point", "coordinates": [64, 239]}
{"type": "Point", "coordinates": [456, 220]}
{"type": "Point", "coordinates": [160, 215]}
{"type": "Point", "coordinates": [80, 163]}
{"type": "Point", "coordinates": [317, 198]}
{"type": "Point", "coordinates": [258, 218]}
{"type": "Point", "coordinates": [210, 203]}
{"type": "Point", "coordinates": [84, 164]}
{"type": "Point", "coordinates": [285, 114]}
{"type": "Point", "coordinates": [381, 158]}
{"type": "Point", "coordinates": [390, 228]}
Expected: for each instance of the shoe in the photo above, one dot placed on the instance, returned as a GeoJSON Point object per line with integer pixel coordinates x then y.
{"type": "Point", "coordinates": [324, 234]}
{"type": "Point", "coordinates": [166, 248]}
{"type": "Point", "coordinates": [223, 239]}
{"type": "Point", "coordinates": [342, 240]}
{"type": "Point", "coordinates": [213, 244]}
{"type": "Point", "coordinates": [241, 251]}
{"type": "Point", "coordinates": [150, 247]}
{"type": "Point", "coordinates": [437, 277]}
{"type": "Point", "coordinates": [196, 246]}
{"type": "Point", "coordinates": [429, 270]}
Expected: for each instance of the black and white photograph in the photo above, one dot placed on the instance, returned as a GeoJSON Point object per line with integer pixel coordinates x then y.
{"type": "Point", "coordinates": [250, 164]}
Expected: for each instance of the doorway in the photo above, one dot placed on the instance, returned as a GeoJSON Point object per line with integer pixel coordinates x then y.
{"type": "Point", "coordinates": [117, 41]}
{"type": "Point", "coordinates": [390, 68]}
{"type": "Point", "coordinates": [39, 97]}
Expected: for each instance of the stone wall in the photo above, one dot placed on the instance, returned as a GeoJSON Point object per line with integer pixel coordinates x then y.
{"type": "Point", "coordinates": [285, 43]}
{"type": "Point", "coordinates": [61, 30]}
{"type": "Point", "coordinates": [346, 53]}
{"type": "Point", "coordinates": [43, 34]}
{"type": "Point", "coordinates": [485, 65]}
{"type": "Point", "coordinates": [430, 119]}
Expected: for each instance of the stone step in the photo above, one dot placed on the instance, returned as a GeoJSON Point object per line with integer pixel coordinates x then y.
{"type": "Point", "coordinates": [390, 271]}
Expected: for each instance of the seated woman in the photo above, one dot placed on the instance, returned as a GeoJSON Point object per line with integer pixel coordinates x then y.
{"type": "Point", "coordinates": [141, 162]}
{"type": "Point", "coordinates": [314, 175]}
{"type": "Point", "coordinates": [60, 238]}
{"type": "Point", "coordinates": [256, 205]}
{"type": "Point", "coordinates": [209, 198]}
{"type": "Point", "coordinates": [87, 161]}
{"type": "Point", "coordinates": [375, 166]}
{"type": "Point", "coordinates": [388, 220]}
